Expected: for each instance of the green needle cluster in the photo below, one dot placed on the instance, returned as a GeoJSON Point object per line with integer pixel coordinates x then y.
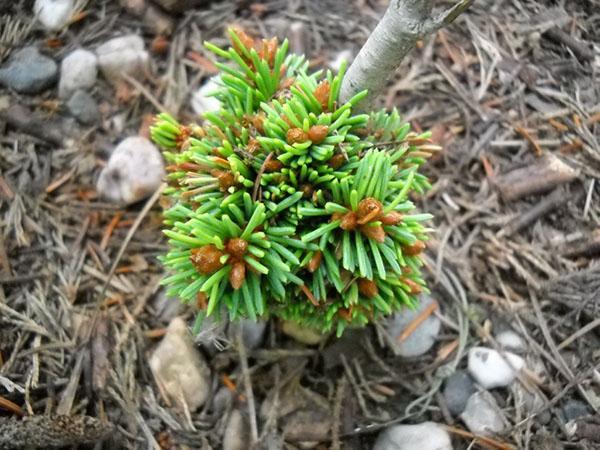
{"type": "Point", "coordinates": [286, 203]}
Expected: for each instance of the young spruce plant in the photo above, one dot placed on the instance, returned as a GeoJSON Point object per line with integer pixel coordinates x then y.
{"type": "Point", "coordinates": [286, 203]}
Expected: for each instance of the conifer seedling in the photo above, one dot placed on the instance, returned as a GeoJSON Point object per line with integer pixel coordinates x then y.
{"type": "Point", "coordinates": [286, 203]}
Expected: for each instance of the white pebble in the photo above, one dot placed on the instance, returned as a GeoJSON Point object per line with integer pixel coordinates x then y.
{"type": "Point", "coordinates": [424, 436]}
{"type": "Point", "coordinates": [123, 55]}
{"type": "Point", "coordinates": [133, 172]}
{"type": "Point", "coordinates": [179, 368]}
{"type": "Point", "coordinates": [78, 70]}
{"type": "Point", "coordinates": [511, 341]}
{"type": "Point", "coordinates": [202, 101]}
{"type": "Point", "coordinates": [53, 14]}
{"type": "Point", "coordinates": [482, 415]}
{"type": "Point", "coordinates": [490, 369]}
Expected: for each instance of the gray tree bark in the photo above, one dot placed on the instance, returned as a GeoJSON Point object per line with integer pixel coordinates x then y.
{"type": "Point", "coordinates": [403, 24]}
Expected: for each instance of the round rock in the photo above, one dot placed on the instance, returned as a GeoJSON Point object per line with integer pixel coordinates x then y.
{"type": "Point", "coordinates": [53, 14]}
{"type": "Point", "coordinates": [179, 367]}
{"type": "Point", "coordinates": [482, 415]}
{"type": "Point", "coordinates": [28, 71]}
{"type": "Point", "coordinates": [422, 338]}
{"type": "Point", "coordinates": [424, 436]}
{"type": "Point", "coordinates": [78, 70]}
{"type": "Point", "coordinates": [457, 390]}
{"type": "Point", "coordinates": [510, 340]}
{"type": "Point", "coordinates": [253, 332]}
{"type": "Point", "coordinates": [490, 369]}
{"type": "Point", "coordinates": [123, 55]}
{"type": "Point", "coordinates": [83, 107]}
{"type": "Point", "coordinates": [304, 335]}
{"type": "Point", "coordinates": [133, 172]}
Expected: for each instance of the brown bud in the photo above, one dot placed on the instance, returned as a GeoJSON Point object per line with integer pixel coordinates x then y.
{"type": "Point", "coordinates": [337, 161]}
{"type": "Point", "coordinates": [345, 313]}
{"type": "Point", "coordinates": [367, 288]}
{"type": "Point", "coordinates": [236, 247]}
{"type": "Point", "coordinates": [258, 122]}
{"type": "Point", "coordinates": [318, 133]}
{"type": "Point", "coordinates": [348, 221]}
{"type": "Point", "coordinates": [322, 93]}
{"type": "Point", "coordinates": [286, 82]}
{"type": "Point", "coordinates": [201, 301]}
{"type": "Point", "coordinates": [315, 261]}
{"type": "Point", "coordinates": [368, 209]}
{"type": "Point", "coordinates": [373, 232]}
{"type": "Point", "coordinates": [253, 145]}
{"type": "Point", "coordinates": [273, 165]}
{"type": "Point", "coordinates": [206, 259]}
{"type": "Point", "coordinates": [237, 275]}
{"type": "Point", "coordinates": [307, 190]}
{"type": "Point", "coordinates": [415, 249]}
{"type": "Point", "coordinates": [415, 289]}
{"type": "Point", "coordinates": [226, 180]}
{"type": "Point", "coordinates": [393, 218]}
{"type": "Point", "coordinates": [296, 135]}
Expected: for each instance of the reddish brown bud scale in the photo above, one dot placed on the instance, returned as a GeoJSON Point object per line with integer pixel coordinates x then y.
{"type": "Point", "coordinates": [206, 259]}
{"type": "Point", "coordinates": [348, 221]}
{"type": "Point", "coordinates": [201, 301]}
{"type": "Point", "coordinates": [337, 161]}
{"type": "Point", "coordinates": [367, 288]}
{"type": "Point", "coordinates": [393, 218]}
{"type": "Point", "coordinates": [375, 232]}
{"type": "Point", "coordinates": [415, 249]}
{"type": "Point", "coordinates": [322, 94]}
{"type": "Point", "coordinates": [345, 314]}
{"type": "Point", "coordinates": [253, 145]}
{"type": "Point", "coordinates": [258, 122]}
{"type": "Point", "coordinates": [315, 261]}
{"type": "Point", "coordinates": [415, 289]}
{"type": "Point", "coordinates": [246, 40]}
{"type": "Point", "coordinates": [273, 165]}
{"type": "Point", "coordinates": [318, 133]}
{"type": "Point", "coordinates": [236, 247]}
{"type": "Point", "coordinates": [368, 209]}
{"type": "Point", "coordinates": [226, 180]}
{"type": "Point", "coordinates": [296, 136]}
{"type": "Point", "coordinates": [237, 275]}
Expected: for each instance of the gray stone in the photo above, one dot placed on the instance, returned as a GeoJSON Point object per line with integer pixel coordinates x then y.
{"type": "Point", "coordinates": [222, 400]}
{"type": "Point", "coordinates": [237, 432]}
{"type": "Point", "coordinates": [158, 22]}
{"type": "Point", "coordinates": [133, 172]}
{"type": "Point", "coordinates": [482, 415]}
{"type": "Point", "coordinates": [457, 390]}
{"type": "Point", "coordinates": [78, 70]}
{"type": "Point", "coordinates": [123, 55]}
{"type": "Point", "coordinates": [424, 436]}
{"type": "Point", "coordinates": [422, 338]}
{"type": "Point", "coordinates": [83, 107]}
{"type": "Point", "coordinates": [28, 71]}
{"type": "Point", "coordinates": [530, 402]}
{"type": "Point", "coordinates": [302, 334]}
{"type": "Point", "coordinates": [179, 368]}
{"type": "Point", "coordinates": [54, 14]}
{"type": "Point", "coordinates": [490, 369]}
{"type": "Point", "coordinates": [166, 308]}
{"type": "Point", "coordinates": [253, 332]}
{"type": "Point", "coordinates": [573, 410]}
{"type": "Point", "coordinates": [509, 340]}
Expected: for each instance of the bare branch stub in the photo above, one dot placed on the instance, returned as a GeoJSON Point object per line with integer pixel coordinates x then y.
{"type": "Point", "coordinates": [403, 24]}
